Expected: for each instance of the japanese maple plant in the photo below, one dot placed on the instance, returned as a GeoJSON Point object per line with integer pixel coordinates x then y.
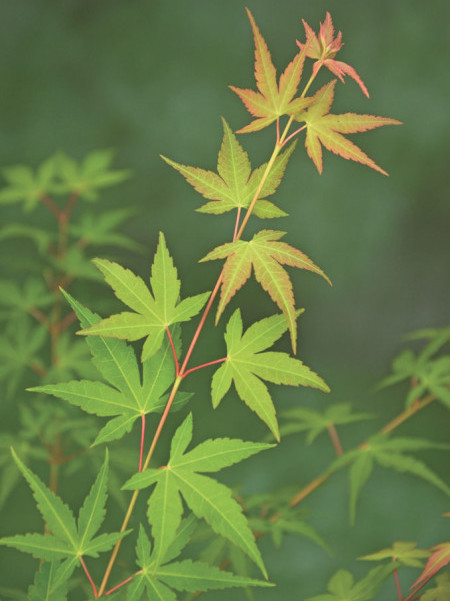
{"type": "Point", "coordinates": [125, 386]}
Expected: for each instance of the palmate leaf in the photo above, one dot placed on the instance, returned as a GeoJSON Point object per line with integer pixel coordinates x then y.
{"type": "Point", "coordinates": [342, 586]}
{"type": "Point", "coordinates": [247, 366]}
{"type": "Point", "coordinates": [403, 553]}
{"type": "Point", "coordinates": [391, 454]}
{"type": "Point", "coordinates": [28, 186]}
{"type": "Point", "coordinates": [324, 128]}
{"type": "Point", "coordinates": [205, 497]}
{"type": "Point", "coordinates": [314, 422]}
{"type": "Point", "coordinates": [158, 580]}
{"type": "Point", "coordinates": [99, 230]}
{"type": "Point", "coordinates": [68, 540]}
{"type": "Point", "coordinates": [272, 99]}
{"type": "Point", "coordinates": [153, 313]}
{"type": "Point", "coordinates": [50, 582]}
{"type": "Point", "coordinates": [266, 255]}
{"type": "Point", "coordinates": [324, 47]}
{"type": "Point", "coordinates": [124, 396]}
{"type": "Point", "coordinates": [441, 592]}
{"type": "Point", "coordinates": [437, 560]}
{"type": "Point", "coordinates": [235, 185]}
{"type": "Point", "coordinates": [90, 176]}
{"type": "Point", "coordinates": [20, 347]}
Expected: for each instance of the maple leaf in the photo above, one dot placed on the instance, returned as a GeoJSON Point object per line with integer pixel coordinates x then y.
{"type": "Point", "coordinates": [152, 312]}
{"type": "Point", "coordinates": [324, 47]}
{"type": "Point", "coordinates": [69, 538]}
{"type": "Point", "coordinates": [206, 498]}
{"type": "Point", "coordinates": [441, 592]}
{"type": "Point", "coordinates": [246, 366]}
{"type": "Point", "coordinates": [159, 578]}
{"type": "Point", "coordinates": [322, 127]}
{"type": "Point", "coordinates": [402, 552]}
{"type": "Point", "coordinates": [124, 398]}
{"type": "Point", "coordinates": [235, 185]}
{"type": "Point", "coordinates": [266, 255]}
{"type": "Point", "coordinates": [273, 99]}
{"type": "Point", "coordinates": [342, 585]}
{"type": "Point", "coordinates": [438, 560]}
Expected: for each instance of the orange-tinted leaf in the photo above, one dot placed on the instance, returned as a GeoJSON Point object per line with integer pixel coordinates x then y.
{"type": "Point", "coordinates": [265, 254]}
{"type": "Point", "coordinates": [271, 100]}
{"type": "Point", "coordinates": [438, 560]}
{"type": "Point", "coordinates": [324, 48]}
{"type": "Point", "coordinates": [324, 128]}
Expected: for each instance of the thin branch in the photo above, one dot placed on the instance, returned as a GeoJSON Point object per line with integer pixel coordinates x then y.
{"type": "Point", "coordinates": [67, 321]}
{"type": "Point", "coordinates": [50, 204]}
{"type": "Point", "coordinates": [397, 585]}
{"type": "Point", "coordinates": [204, 365]}
{"type": "Point", "coordinates": [39, 315]}
{"type": "Point", "coordinates": [172, 346]}
{"type": "Point", "coordinates": [335, 439]}
{"type": "Point", "coordinates": [89, 577]}
{"type": "Point", "coordinates": [297, 131]}
{"type": "Point", "coordinates": [236, 225]}
{"type": "Point", "coordinates": [126, 581]}
{"type": "Point", "coordinates": [38, 369]}
{"type": "Point", "coordinates": [392, 425]}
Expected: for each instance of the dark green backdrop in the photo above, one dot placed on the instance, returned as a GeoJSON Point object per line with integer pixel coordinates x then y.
{"type": "Point", "coordinates": [151, 77]}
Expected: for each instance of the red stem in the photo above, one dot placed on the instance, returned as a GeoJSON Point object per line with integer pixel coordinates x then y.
{"type": "Point", "coordinates": [397, 585]}
{"type": "Point", "coordinates": [204, 365]}
{"type": "Point", "coordinates": [172, 346]}
{"type": "Point", "coordinates": [141, 453]}
{"type": "Point", "coordinates": [201, 323]}
{"type": "Point", "coordinates": [126, 581]}
{"type": "Point", "coordinates": [89, 577]}
{"type": "Point", "coordinates": [297, 131]}
{"type": "Point", "coordinates": [236, 225]}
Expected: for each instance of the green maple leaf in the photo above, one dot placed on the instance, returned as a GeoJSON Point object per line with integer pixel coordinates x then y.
{"type": "Point", "coordinates": [316, 422]}
{"type": "Point", "coordinates": [159, 579]}
{"type": "Point", "coordinates": [20, 347]}
{"type": "Point", "coordinates": [68, 539]}
{"type": "Point", "coordinates": [324, 128]}
{"type": "Point", "coordinates": [402, 552]}
{"type": "Point", "coordinates": [235, 185]}
{"type": "Point", "coordinates": [429, 369]}
{"type": "Point", "coordinates": [50, 582]}
{"type": "Point", "coordinates": [265, 255]}
{"type": "Point", "coordinates": [153, 313]}
{"type": "Point", "coordinates": [205, 497]}
{"type": "Point", "coordinates": [441, 592]}
{"type": "Point", "coordinates": [90, 176]}
{"type": "Point", "coordinates": [247, 366]}
{"type": "Point", "coordinates": [391, 454]}
{"type": "Point", "coordinates": [342, 586]}
{"type": "Point", "coordinates": [99, 230]}
{"type": "Point", "coordinates": [272, 100]}
{"type": "Point", "coordinates": [28, 186]}
{"type": "Point", "coordinates": [124, 397]}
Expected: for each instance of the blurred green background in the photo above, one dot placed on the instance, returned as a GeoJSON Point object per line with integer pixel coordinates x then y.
{"type": "Point", "coordinates": [151, 77]}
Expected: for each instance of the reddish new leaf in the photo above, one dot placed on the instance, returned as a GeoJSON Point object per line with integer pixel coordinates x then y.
{"type": "Point", "coordinates": [324, 128]}
{"type": "Point", "coordinates": [324, 47]}
{"type": "Point", "coordinates": [265, 255]}
{"type": "Point", "coordinates": [271, 100]}
{"type": "Point", "coordinates": [438, 560]}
